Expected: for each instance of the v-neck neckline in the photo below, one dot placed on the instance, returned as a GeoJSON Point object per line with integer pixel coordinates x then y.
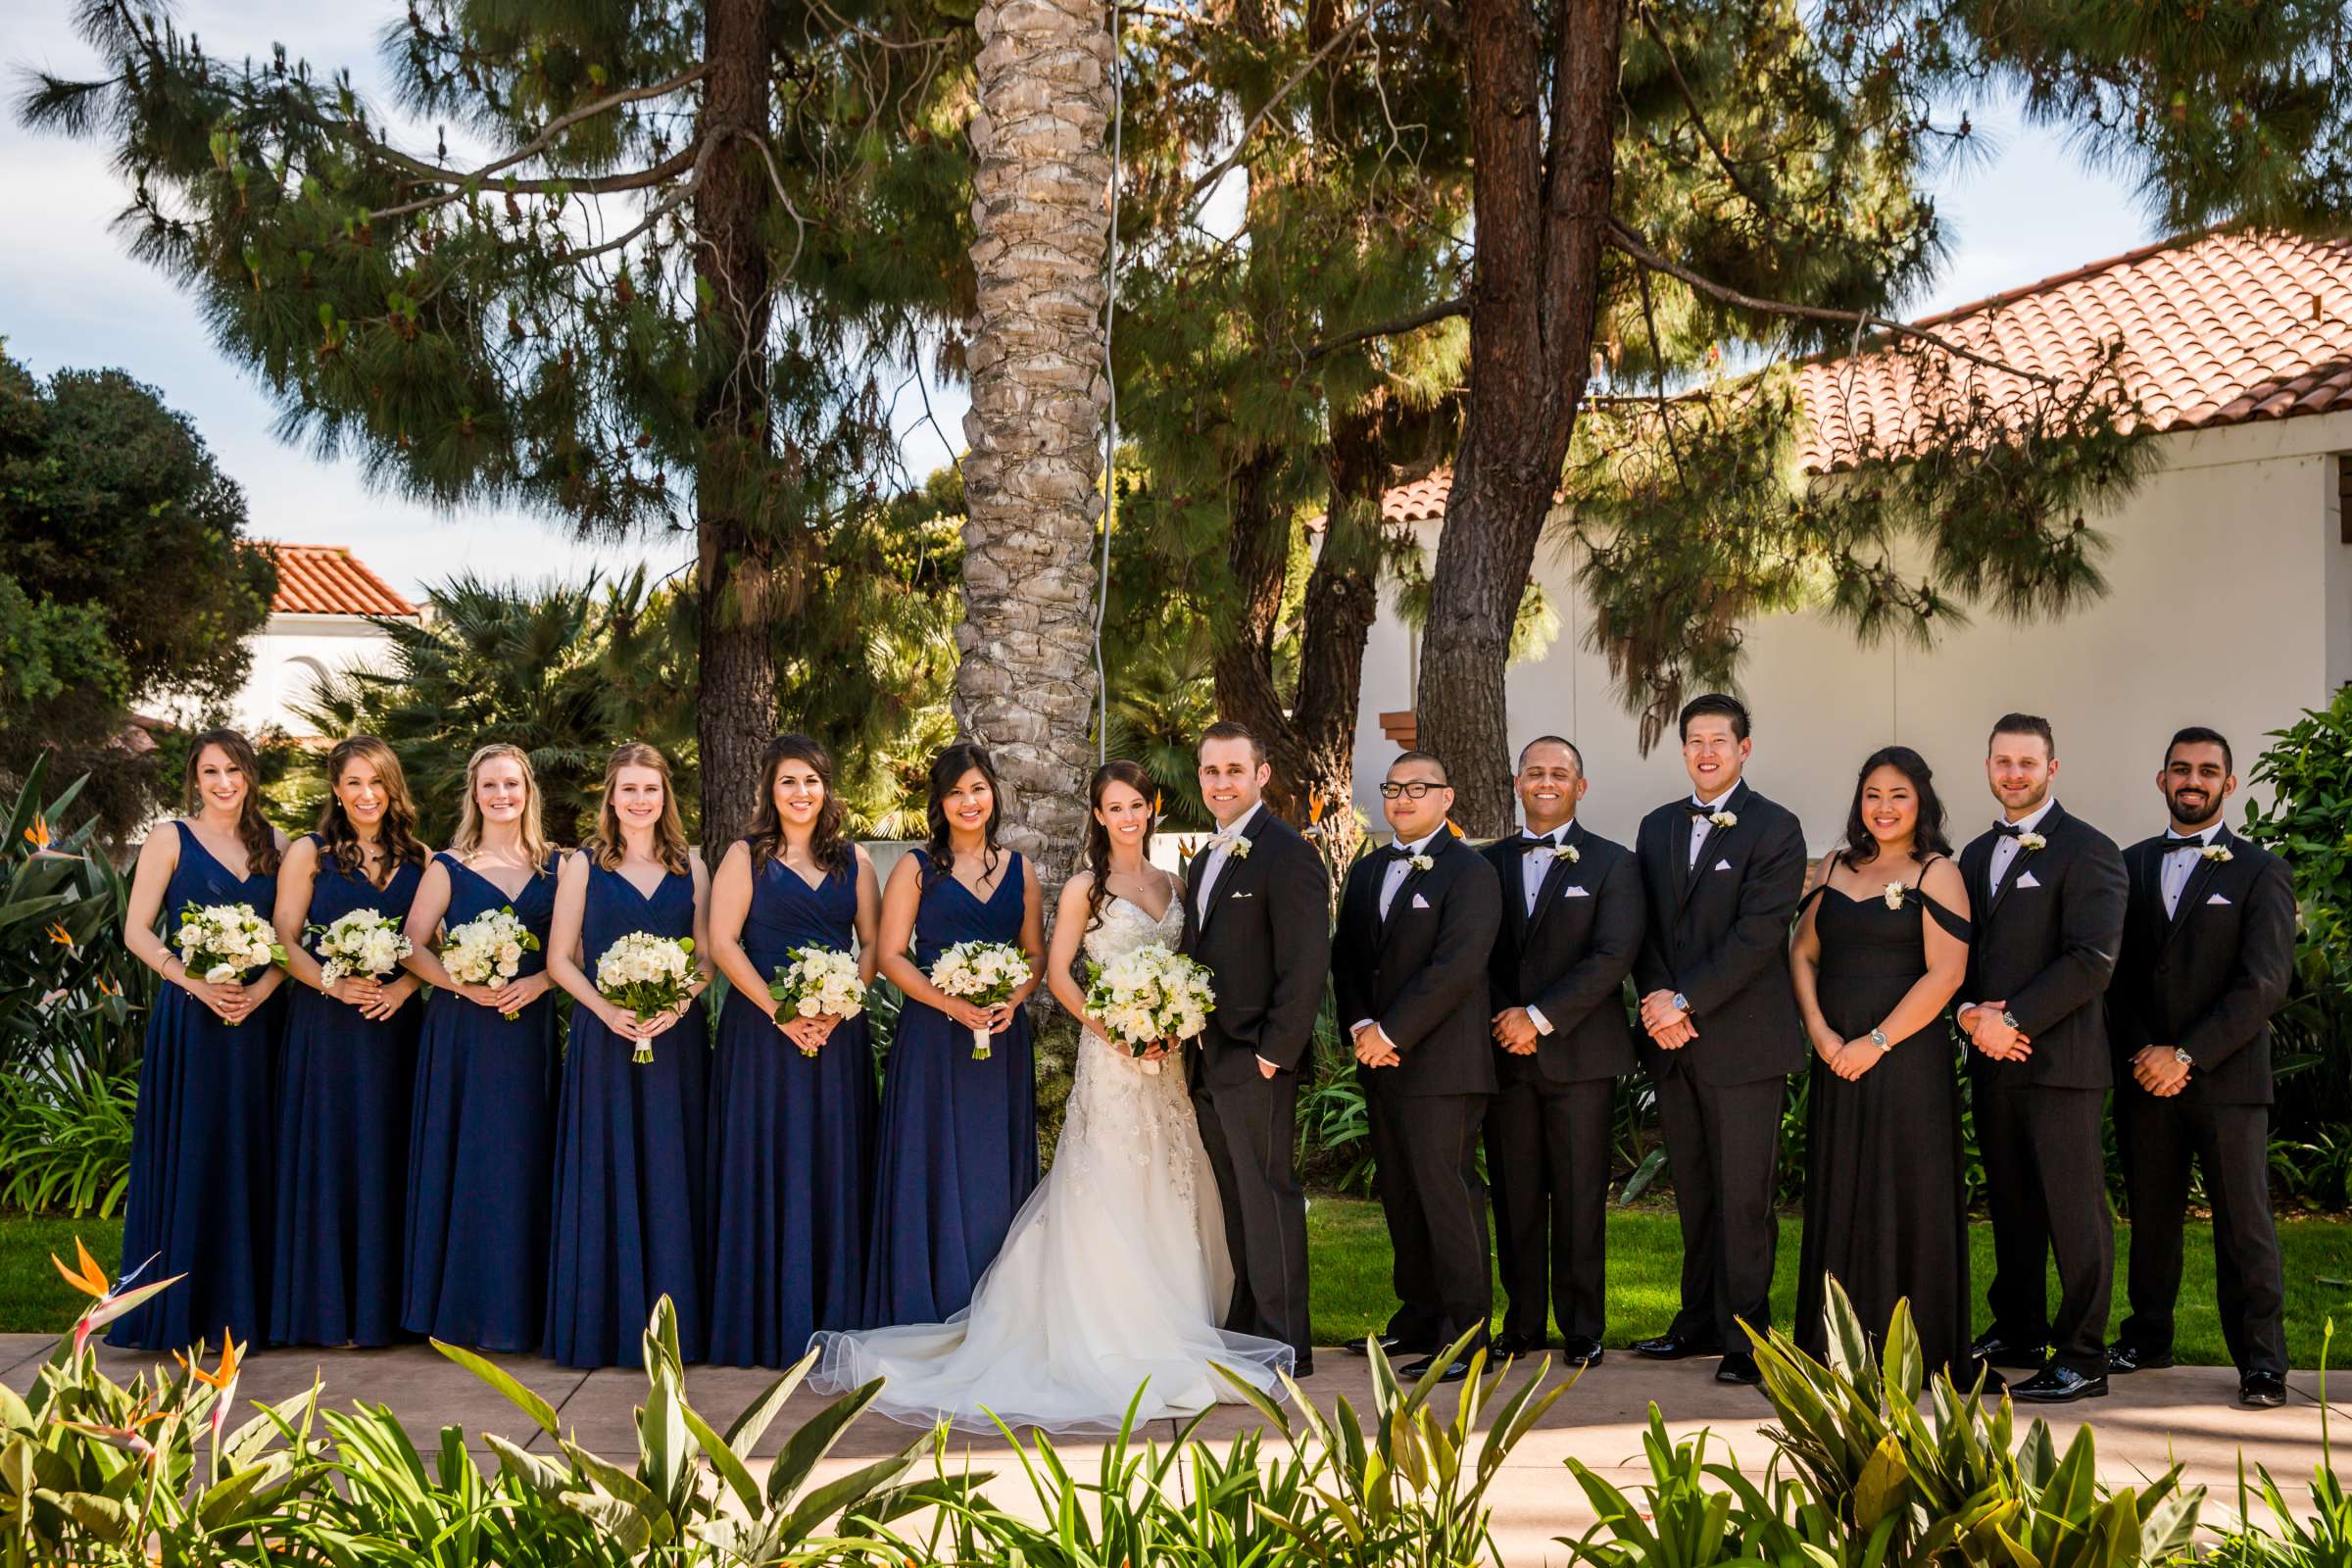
{"type": "Point", "coordinates": [485, 881]}
{"type": "Point", "coordinates": [792, 871]}
{"type": "Point", "coordinates": [1011, 860]}
{"type": "Point", "coordinates": [219, 864]}
{"type": "Point", "coordinates": [622, 873]}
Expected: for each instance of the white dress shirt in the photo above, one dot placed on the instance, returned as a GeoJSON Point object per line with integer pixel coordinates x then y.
{"type": "Point", "coordinates": [1701, 824]}
{"type": "Point", "coordinates": [1219, 850]}
{"type": "Point", "coordinates": [2004, 848]}
{"type": "Point", "coordinates": [1391, 877]}
{"type": "Point", "coordinates": [2180, 857]}
{"type": "Point", "coordinates": [1533, 868]}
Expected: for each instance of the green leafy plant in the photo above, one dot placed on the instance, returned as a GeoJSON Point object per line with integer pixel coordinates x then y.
{"type": "Point", "coordinates": [63, 973]}
{"type": "Point", "coordinates": [65, 1142]}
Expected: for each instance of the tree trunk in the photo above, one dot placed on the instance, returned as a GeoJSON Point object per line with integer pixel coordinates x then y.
{"type": "Point", "coordinates": [735, 568]}
{"type": "Point", "coordinates": [1541, 215]}
{"type": "Point", "coordinates": [1026, 685]}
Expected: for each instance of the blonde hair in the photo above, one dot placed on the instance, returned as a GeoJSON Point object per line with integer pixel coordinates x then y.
{"type": "Point", "coordinates": [607, 848]}
{"type": "Point", "coordinates": [467, 842]}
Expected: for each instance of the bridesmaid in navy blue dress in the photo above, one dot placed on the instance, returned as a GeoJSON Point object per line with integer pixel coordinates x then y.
{"type": "Point", "coordinates": [483, 1130]}
{"type": "Point", "coordinates": [631, 1150]}
{"type": "Point", "coordinates": [348, 1067]}
{"type": "Point", "coordinates": [200, 1144]}
{"type": "Point", "coordinates": [792, 1150]}
{"type": "Point", "coordinates": [958, 1136]}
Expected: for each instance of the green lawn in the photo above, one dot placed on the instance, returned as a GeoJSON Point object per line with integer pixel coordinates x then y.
{"type": "Point", "coordinates": [1351, 1256]}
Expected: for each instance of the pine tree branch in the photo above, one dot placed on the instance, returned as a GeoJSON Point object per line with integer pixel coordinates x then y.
{"type": "Point", "coordinates": [670, 168]}
{"type": "Point", "coordinates": [654, 214]}
{"type": "Point", "coordinates": [1633, 245]}
{"type": "Point", "coordinates": [1224, 165]}
{"type": "Point", "coordinates": [1698, 123]}
{"type": "Point", "coordinates": [1460, 305]}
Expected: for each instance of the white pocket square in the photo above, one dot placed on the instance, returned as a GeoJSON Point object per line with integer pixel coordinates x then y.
{"type": "Point", "coordinates": [2025, 879]}
{"type": "Point", "coordinates": [1420, 902]}
{"type": "Point", "coordinates": [1723, 865]}
{"type": "Point", "coordinates": [1573, 893]}
{"type": "Point", "coordinates": [1240, 893]}
{"type": "Point", "coordinates": [2217, 898]}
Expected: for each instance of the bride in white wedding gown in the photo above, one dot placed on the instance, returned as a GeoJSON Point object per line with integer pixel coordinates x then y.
{"type": "Point", "coordinates": [1114, 1275]}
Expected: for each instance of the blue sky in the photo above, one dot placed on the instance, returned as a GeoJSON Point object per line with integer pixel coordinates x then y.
{"type": "Point", "coordinates": [74, 298]}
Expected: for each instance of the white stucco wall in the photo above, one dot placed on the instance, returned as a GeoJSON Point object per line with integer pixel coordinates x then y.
{"type": "Point", "coordinates": [288, 656]}
{"type": "Point", "coordinates": [2262, 630]}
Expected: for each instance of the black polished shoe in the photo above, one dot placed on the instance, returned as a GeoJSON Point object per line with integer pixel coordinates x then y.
{"type": "Point", "coordinates": [1392, 1346]}
{"type": "Point", "coordinates": [1415, 1371]}
{"type": "Point", "coordinates": [2059, 1385]}
{"type": "Point", "coordinates": [1673, 1348]}
{"type": "Point", "coordinates": [1512, 1347]}
{"type": "Point", "coordinates": [1994, 1350]}
{"type": "Point", "coordinates": [1737, 1366]}
{"type": "Point", "coordinates": [2262, 1391]}
{"type": "Point", "coordinates": [1303, 1370]}
{"type": "Point", "coordinates": [2131, 1358]}
{"type": "Point", "coordinates": [1577, 1351]}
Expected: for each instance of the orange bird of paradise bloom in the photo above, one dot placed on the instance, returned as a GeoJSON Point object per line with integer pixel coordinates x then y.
{"type": "Point", "coordinates": [61, 936]}
{"type": "Point", "coordinates": [37, 835]}
{"type": "Point", "coordinates": [223, 1377]}
{"type": "Point", "coordinates": [108, 1301]}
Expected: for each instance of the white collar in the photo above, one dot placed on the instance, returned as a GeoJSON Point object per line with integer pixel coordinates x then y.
{"type": "Point", "coordinates": [2175, 843]}
{"type": "Point", "coordinates": [1241, 823]}
{"type": "Point", "coordinates": [2033, 820]}
{"type": "Point", "coordinates": [1423, 842]}
{"type": "Point", "coordinates": [1718, 804]}
{"type": "Point", "coordinates": [1558, 835]}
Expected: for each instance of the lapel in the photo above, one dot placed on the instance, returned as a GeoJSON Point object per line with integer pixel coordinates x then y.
{"type": "Point", "coordinates": [2199, 877]}
{"type": "Point", "coordinates": [1511, 871]}
{"type": "Point", "coordinates": [1694, 873]}
{"type": "Point", "coordinates": [1437, 849]}
{"type": "Point", "coordinates": [1548, 893]}
{"type": "Point", "coordinates": [2023, 859]}
{"type": "Point", "coordinates": [1228, 873]}
{"type": "Point", "coordinates": [2147, 893]}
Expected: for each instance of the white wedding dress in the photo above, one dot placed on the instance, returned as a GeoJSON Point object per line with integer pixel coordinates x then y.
{"type": "Point", "coordinates": [1113, 1277]}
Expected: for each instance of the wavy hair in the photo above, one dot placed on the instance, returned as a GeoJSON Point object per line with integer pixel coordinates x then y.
{"type": "Point", "coordinates": [607, 848]}
{"type": "Point", "coordinates": [826, 844]}
{"type": "Point", "coordinates": [1096, 856]}
{"type": "Point", "coordinates": [949, 767]}
{"type": "Point", "coordinates": [396, 833]}
{"type": "Point", "coordinates": [252, 827]}
{"type": "Point", "coordinates": [1860, 846]}
{"type": "Point", "coordinates": [467, 843]}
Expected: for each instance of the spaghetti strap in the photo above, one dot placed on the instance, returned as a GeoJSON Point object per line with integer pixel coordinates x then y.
{"type": "Point", "coordinates": [1956, 925]}
{"type": "Point", "coordinates": [1828, 865]}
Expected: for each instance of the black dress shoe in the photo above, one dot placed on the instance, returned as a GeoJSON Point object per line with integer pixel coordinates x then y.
{"type": "Point", "coordinates": [1577, 1351]}
{"type": "Point", "coordinates": [1303, 1369]}
{"type": "Point", "coordinates": [2262, 1391]}
{"type": "Point", "coordinates": [1510, 1346]}
{"type": "Point", "coordinates": [1392, 1346]}
{"type": "Point", "coordinates": [1415, 1371]}
{"type": "Point", "coordinates": [1673, 1348]}
{"type": "Point", "coordinates": [2131, 1358]}
{"type": "Point", "coordinates": [2059, 1385]}
{"type": "Point", "coordinates": [1994, 1350]}
{"type": "Point", "coordinates": [1737, 1366]}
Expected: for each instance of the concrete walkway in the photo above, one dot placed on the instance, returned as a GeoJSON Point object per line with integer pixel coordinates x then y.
{"type": "Point", "coordinates": [2151, 1420]}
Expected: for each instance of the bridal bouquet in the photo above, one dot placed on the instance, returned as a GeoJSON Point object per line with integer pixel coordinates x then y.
{"type": "Point", "coordinates": [365, 943]}
{"type": "Point", "coordinates": [819, 982]}
{"type": "Point", "coordinates": [1148, 995]}
{"type": "Point", "coordinates": [488, 949]}
{"type": "Point", "coordinates": [983, 973]}
{"type": "Point", "coordinates": [220, 942]}
{"type": "Point", "coordinates": [649, 975]}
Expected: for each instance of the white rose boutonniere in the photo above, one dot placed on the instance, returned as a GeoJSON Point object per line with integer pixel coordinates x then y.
{"type": "Point", "coordinates": [2217, 854]}
{"type": "Point", "coordinates": [1569, 853]}
{"type": "Point", "coordinates": [1238, 849]}
{"type": "Point", "coordinates": [1723, 818]}
{"type": "Point", "coordinates": [2027, 843]}
{"type": "Point", "coordinates": [1894, 894]}
{"type": "Point", "coordinates": [1421, 863]}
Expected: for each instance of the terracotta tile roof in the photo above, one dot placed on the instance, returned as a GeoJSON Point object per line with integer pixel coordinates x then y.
{"type": "Point", "coordinates": [2216, 330]}
{"type": "Point", "coordinates": [329, 580]}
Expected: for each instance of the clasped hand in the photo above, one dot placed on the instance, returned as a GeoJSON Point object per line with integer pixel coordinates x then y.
{"type": "Point", "coordinates": [1992, 1035]}
{"type": "Point", "coordinates": [1373, 1049]}
{"type": "Point", "coordinates": [996, 1018]}
{"type": "Point", "coordinates": [512, 997]}
{"type": "Point", "coordinates": [229, 1000]}
{"type": "Point", "coordinates": [2157, 1070]}
{"type": "Point", "coordinates": [1668, 1025]}
{"type": "Point", "coordinates": [377, 999]}
{"type": "Point", "coordinates": [808, 1032]}
{"type": "Point", "coordinates": [1515, 1032]}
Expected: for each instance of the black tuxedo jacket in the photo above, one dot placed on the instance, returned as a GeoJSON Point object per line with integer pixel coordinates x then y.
{"type": "Point", "coordinates": [2046, 943]}
{"type": "Point", "coordinates": [2207, 978]}
{"type": "Point", "coordinates": [1421, 974]}
{"type": "Point", "coordinates": [1267, 940]}
{"type": "Point", "coordinates": [1570, 958]}
{"type": "Point", "coordinates": [1718, 933]}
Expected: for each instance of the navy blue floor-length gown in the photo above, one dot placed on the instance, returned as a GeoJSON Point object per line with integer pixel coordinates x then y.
{"type": "Point", "coordinates": [200, 1144]}
{"type": "Point", "coordinates": [958, 1144]}
{"type": "Point", "coordinates": [480, 1145]}
{"type": "Point", "coordinates": [344, 1091]}
{"type": "Point", "coordinates": [792, 1142]}
{"type": "Point", "coordinates": [631, 1157]}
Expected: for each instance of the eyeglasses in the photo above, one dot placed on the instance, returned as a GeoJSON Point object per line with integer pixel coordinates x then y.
{"type": "Point", "coordinates": [1414, 791]}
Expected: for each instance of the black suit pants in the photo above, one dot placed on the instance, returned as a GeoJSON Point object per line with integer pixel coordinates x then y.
{"type": "Point", "coordinates": [2230, 1143]}
{"type": "Point", "coordinates": [2045, 1185]}
{"type": "Point", "coordinates": [1723, 1144]}
{"type": "Point", "coordinates": [1547, 1168]}
{"type": "Point", "coordinates": [1249, 1132]}
{"type": "Point", "coordinates": [1424, 1148]}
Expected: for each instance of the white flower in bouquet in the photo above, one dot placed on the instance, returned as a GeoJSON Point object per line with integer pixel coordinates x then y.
{"type": "Point", "coordinates": [223, 942]}
{"type": "Point", "coordinates": [1148, 995]}
{"type": "Point", "coordinates": [365, 942]}
{"type": "Point", "coordinates": [487, 949]}
{"type": "Point", "coordinates": [817, 983]}
{"type": "Point", "coordinates": [983, 973]}
{"type": "Point", "coordinates": [649, 975]}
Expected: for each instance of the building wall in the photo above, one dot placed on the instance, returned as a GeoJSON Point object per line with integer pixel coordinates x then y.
{"type": "Point", "coordinates": [2258, 628]}
{"type": "Point", "coordinates": [289, 655]}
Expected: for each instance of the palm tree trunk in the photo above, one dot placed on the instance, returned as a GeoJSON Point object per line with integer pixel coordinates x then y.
{"type": "Point", "coordinates": [1026, 685]}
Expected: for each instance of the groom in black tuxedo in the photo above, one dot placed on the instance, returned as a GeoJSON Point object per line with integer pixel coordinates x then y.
{"type": "Point", "coordinates": [1418, 923]}
{"type": "Point", "coordinates": [1257, 913]}
{"type": "Point", "coordinates": [2209, 946]}
{"type": "Point", "coordinates": [2049, 893]}
{"type": "Point", "coordinates": [1573, 915]}
{"type": "Point", "coordinates": [1722, 871]}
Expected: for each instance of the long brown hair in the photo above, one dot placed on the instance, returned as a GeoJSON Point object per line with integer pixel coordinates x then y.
{"type": "Point", "coordinates": [533, 831]}
{"type": "Point", "coordinates": [607, 848]}
{"type": "Point", "coordinates": [396, 833]}
{"type": "Point", "coordinates": [826, 845]}
{"type": "Point", "coordinates": [946, 771]}
{"type": "Point", "coordinates": [252, 828]}
{"type": "Point", "coordinates": [1118, 770]}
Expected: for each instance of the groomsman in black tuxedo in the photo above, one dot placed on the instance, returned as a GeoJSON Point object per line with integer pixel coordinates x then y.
{"type": "Point", "coordinates": [1418, 923]}
{"type": "Point", "coordinates": [1257, 913]}
{"type": "Point", "coordinates": [1722, 871]}
{"type": "Point", "coordinates": [2209, 943]}
{"type": "Point", "coordinates": [1572, 922]}
{"type": "Point", "coordinates": [2049, 892]}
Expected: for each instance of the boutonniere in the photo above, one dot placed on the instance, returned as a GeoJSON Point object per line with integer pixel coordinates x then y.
{"type": "Point", "coordinates": [2217, 854]}
{"type": "Point", "coordinates": [1894, 894]}
{"type": "Point", "coordinates": [1238, 849]}
{"type": "Point", "coordinates": [1420, 863]}
{"type": "Point", "coordinates": [1558, 851]}
{"type": "Point", "coordinates": [1723, 818]}
{"type": "Point", "coordinates": [2027, 843]}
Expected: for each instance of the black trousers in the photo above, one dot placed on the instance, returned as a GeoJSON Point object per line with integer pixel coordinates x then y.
{"type": "Point", "coordinates": [1548, 1169]}
{"type": "Point", "coordinates": [2045, 1185]}
{"type": "Point", "coordinates": [2230, 1143]}
{"type": "Point", "coordinates": [1426, 1173]}
{"type": "Point", "coordinates": [1723, 1145]}
{"type": "Point", "coordinates": [1250, 1130]}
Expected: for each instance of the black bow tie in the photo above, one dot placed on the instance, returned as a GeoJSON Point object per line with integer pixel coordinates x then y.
{"type": "Point", "coordinates": [1696, 810]}
{"type": "Point", "coordinates": [2173, 846]}
{"type": "Point", "coordinates": [2007, 830]}
{"type": "Point", "coordinates": [1528, 842]}
{"type": "Point", "coordinates": [1390, 853]}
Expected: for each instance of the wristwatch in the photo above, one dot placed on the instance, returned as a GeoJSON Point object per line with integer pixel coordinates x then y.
{"type": "Point", "coordinates": [2182, 1056]}
{"type": "Point", "coordinates": [2010, 1018]}
{"type": "Point", "coordinates": [1682, 1004]}
{"type": "Point", "coordinates": [1877, 1037]}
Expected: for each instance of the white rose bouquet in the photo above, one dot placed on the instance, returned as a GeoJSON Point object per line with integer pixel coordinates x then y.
{"type": "Point", "coordinates": [222, 941]}
{"type": "Point", "coordinates": [984, 974]}
{"type": "Point", "coordinates": [365, 942]}
{"type": "Point", "coordinates": [1148, 995]}
{"type": "Point", "coordinates": [488, 949]}
{"type": "Point", "coordinates": [649, 975]}
{"type": "Point", "coordinates": [817, 983]}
